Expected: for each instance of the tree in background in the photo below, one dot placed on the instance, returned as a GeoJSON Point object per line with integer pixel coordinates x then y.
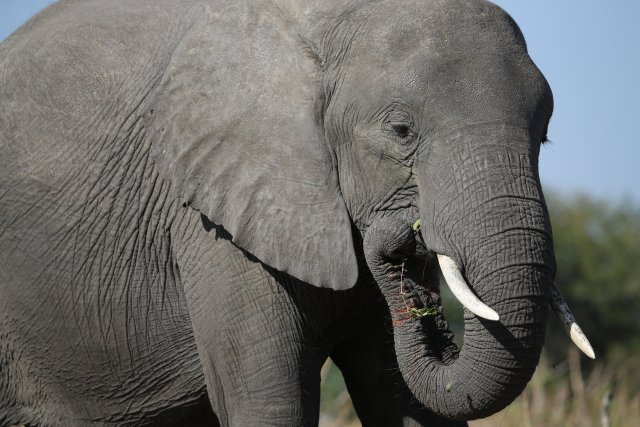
{"type": "Point", "coordinates": [597, 246]}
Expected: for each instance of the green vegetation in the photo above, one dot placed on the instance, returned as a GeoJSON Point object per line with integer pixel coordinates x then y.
{"type": "Point", "coordinates": [598, 255]}
{"type": "Point", "coordinates": [597, 247]}
{"type": "Point", "coordinates": [336, 409]}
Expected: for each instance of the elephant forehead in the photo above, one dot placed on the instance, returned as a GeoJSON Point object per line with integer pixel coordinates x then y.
{"type": "Point", "coordinates": [464, 60]}
{"type": "Point", "coordinates": [438, 29]}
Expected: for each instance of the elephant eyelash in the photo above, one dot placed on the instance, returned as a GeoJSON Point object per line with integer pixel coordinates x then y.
{"type": "Point", "coordinates": [545, 133]}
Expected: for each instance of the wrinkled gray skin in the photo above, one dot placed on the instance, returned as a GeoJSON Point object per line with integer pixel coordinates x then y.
{"type": "Point", "coordinates": [202, 200]}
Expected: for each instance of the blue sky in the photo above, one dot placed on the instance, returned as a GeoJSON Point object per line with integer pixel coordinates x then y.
{"type": "Point", "coordinates": [590, 53]}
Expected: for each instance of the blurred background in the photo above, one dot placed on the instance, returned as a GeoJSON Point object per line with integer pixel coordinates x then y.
{"type": "Point", "coordinates": [590, 54]}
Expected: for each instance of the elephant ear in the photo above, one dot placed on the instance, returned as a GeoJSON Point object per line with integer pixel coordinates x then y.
{"type": "Point", "coordinates": [235, 128]}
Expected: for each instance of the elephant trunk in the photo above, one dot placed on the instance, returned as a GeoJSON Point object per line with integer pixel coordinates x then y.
{"type": "Point", "coordinates": [502, 244]}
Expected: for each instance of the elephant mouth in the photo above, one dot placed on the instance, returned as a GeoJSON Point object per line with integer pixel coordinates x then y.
{"type": "Point", "coordinates": [419, 294]}
{"type": "Point", "coordinates": [412, 269]}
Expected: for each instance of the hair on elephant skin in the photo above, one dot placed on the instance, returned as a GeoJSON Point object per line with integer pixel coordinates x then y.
{"type": "Point", "coordinates": [201, 201]}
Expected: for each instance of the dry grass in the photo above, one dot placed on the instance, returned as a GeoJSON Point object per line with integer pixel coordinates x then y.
{"type": "Point", "coordinates": [566, 397]}
{"type": "Point", "coordinates": [562, 396]}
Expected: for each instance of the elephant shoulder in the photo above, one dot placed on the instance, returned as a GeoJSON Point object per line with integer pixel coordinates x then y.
{"type": "Point", "coordinates": [75, 76]}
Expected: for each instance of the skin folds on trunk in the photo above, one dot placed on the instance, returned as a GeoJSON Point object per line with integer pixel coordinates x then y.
{"type": "Point", "coordinates": [497, 358]}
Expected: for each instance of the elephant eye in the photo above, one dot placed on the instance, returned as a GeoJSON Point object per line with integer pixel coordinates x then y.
{"type": "Point", "coordinates": [401, 131]}
{"type": "Point", "coordinates": [399, 126]}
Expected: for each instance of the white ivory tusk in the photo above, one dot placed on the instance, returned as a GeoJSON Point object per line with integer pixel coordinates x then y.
{"type": "Point", "coordinates": [562, 310]}
{"type": "Point", "coordinates": [461, 290]}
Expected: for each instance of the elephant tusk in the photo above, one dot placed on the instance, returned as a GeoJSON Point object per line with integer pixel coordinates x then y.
{"type": "Point", "coordinates": [461, 290]}
{"type": "Point", "coordinates": [562, 310]}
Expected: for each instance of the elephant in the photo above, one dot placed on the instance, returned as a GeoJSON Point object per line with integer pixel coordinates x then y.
{"type": "Point", "coordinates": [203, 200]}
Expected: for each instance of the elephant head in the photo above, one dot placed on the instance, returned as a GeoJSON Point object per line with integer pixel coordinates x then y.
{"type": "Point", "coordinates": [380, 115]}
{"type": "Point", "coordinates": [446, 114]}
